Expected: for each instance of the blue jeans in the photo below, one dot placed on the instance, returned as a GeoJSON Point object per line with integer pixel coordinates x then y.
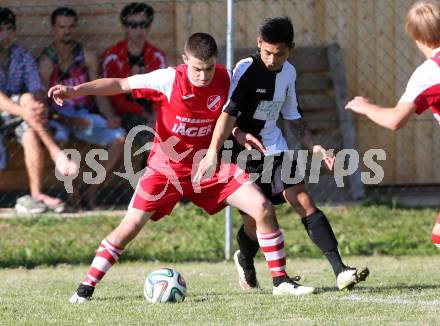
{"type": "Point", "coordinates": [98, 133]}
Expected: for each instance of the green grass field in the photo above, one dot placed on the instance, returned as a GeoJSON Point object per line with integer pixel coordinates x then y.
{"type": "Point", "coordinates": [189, 234]}
{"type": "Point", "coordinates": [399, 291]}
{"type": "Point", "coordinates": [42, 260]}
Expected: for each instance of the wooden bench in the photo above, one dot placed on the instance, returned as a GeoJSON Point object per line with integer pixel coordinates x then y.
{"type": "Point", "coordinates": [15, 179]}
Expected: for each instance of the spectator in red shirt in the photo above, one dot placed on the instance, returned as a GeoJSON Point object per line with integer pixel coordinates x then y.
{"type": "Point", "coordinates": [131, 56]}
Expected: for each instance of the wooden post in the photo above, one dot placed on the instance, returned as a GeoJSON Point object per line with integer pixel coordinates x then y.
{"type": "Point", "coordinates": [348, 131]}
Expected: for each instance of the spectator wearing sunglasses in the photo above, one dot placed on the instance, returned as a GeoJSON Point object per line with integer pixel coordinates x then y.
{"type": "Point", "coordinates": [131, 56]}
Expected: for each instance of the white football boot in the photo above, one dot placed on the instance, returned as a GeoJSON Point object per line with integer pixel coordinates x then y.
{"type": "Point", "coordinates": [349, 277]}
{"type": "Point", "coordinates": [290, 287]}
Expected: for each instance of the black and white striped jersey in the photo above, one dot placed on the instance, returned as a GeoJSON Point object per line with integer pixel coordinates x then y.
{"type": "Point", "coordinates": [257, 96]}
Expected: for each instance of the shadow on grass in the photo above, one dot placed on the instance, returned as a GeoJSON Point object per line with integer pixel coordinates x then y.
{"type": "Point", "coordinates": [410, 287]}
{"type": "Point", "coordinates": [119, 298]}
{"type": "Point", "coordinates": [211, 296]}
{"type": "Point", "coordinates": [379, 289]}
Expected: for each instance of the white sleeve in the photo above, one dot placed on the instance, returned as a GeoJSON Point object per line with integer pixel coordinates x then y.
{"type": "Point", "coordinates": [425, 76]}
{"type": "Point", "coordinates": [290, 110]}
{"type": "Point", "coordinates": [161, 80]}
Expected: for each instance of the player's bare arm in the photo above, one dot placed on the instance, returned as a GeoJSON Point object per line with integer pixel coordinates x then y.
{"type": "Point", "coordinates": [223, 129]}
{"type": "Point", "coordinates": [302, 132]}
{"type": "Point", "coordinates": [98, 87]}
{"type": "Point", "coordinates": [391, 118]}
{"type": "Point", "coordinates": [299, 128]}
{"type": "Point", "coordinates": [248, 140]}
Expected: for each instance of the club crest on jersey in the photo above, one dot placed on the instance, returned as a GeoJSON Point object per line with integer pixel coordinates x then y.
{"type": "Point", "coordinates": [213, 102]}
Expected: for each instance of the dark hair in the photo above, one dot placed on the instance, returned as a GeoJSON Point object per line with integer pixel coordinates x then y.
{"type": "Point", "coordinates": [63, 11]}
{"type": "Point", "coordinates": [6, 16]}
{"type": "Point", "coordinates": [202, 46]}
{"type": "Point", "coordinates": [137, 8]}
{"type": "Point", "coordinates": [277, 30]}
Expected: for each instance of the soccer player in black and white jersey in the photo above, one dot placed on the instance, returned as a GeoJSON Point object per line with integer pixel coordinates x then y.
{"type": "Point", "coordinates": [263, 87]}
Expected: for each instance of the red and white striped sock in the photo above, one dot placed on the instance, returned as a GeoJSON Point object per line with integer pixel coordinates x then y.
{"type": "Point", "coordinates": [106, 255]}
{"type": "Point", "coordinates": [272, 245]}
{"type": "Point", "coordinates": [436, 237]}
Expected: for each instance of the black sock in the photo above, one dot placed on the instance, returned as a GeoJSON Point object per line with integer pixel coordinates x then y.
{"type": "Point", "coordinates": [321, 233]}
{"type": "Point", "coordinates": [335, 260]}
{"type": "Point", "coordinates": [248, 247]}
{"type": "Point", "coordinates": [277, 280]}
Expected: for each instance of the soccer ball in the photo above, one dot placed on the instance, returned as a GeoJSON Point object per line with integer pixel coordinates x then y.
{"type": "Point", "coordinates": [165, 285]}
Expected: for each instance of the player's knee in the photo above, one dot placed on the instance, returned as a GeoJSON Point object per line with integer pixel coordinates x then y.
{"type": "Point", "coordinates": [266, 212]}
{"type": "Point", "coordinates": [301, 201]}
{"type": "Point", "coordinates": [306, 201]}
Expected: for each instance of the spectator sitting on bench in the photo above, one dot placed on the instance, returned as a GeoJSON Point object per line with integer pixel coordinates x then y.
{"type": "Point", "coordinates": [23, 117]}
{"type": "Point", "coordinates": [67, 62]}
{"type": "Point", "coordinates": [131, 56]}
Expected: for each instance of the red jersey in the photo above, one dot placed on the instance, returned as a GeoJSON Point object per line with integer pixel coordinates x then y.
{"type": "Point", "coordinates": [115, 64]}
{"type": "Point", "coordinates": [187, 116]}
{"type": "Point", "coordinates": [423, 89]}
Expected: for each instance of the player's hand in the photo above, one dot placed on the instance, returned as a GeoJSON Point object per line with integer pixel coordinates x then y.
{"type": "Point", "coordinates": [59, 93]}
{"type": "Point", "coordinates": [206, 167]}
{"type": "Point", "coordinates": [359, 105]}
{"type": "Point", "coordinates": [249, 141]}
{"type": "Point", "coordinates": [329, 160]}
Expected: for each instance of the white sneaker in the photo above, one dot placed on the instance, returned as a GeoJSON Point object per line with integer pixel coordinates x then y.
{"type": "Point", "coordinates": [246, 274]}
{"type": "Point", "coordinates": [290, 287]}
{"type": "Point", "coordinates": [28, 205]}
{"type": "Point", "coordinates": [350, 277]}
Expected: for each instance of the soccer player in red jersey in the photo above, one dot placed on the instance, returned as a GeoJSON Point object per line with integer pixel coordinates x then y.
{"type": "Point", "coordinates": [423, 89]}
{"type": "Point", "coordinates": [192, 96]}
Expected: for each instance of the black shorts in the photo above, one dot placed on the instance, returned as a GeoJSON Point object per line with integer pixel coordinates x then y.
{"type": "Point", "coordinates": [271, 179]}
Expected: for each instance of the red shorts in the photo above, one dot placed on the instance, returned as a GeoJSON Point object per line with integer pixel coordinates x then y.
{"type": "Point", "coordinates": [160, 191]}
